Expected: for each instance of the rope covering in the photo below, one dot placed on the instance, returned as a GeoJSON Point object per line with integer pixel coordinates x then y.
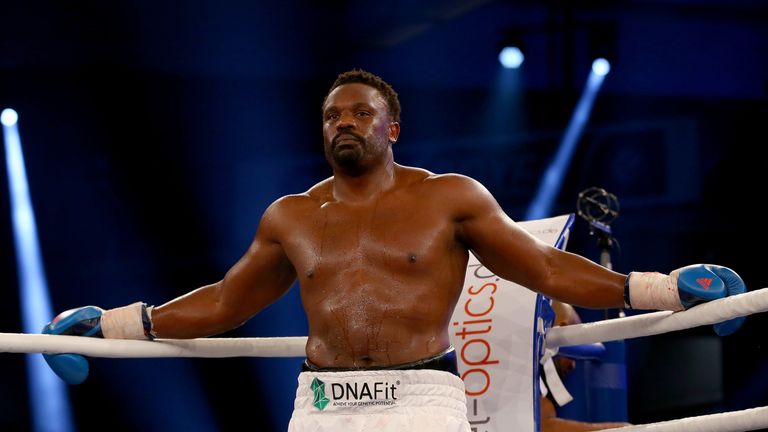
{"type": "Point", "coordinates": [734, 421]}
{"type": "Point", "coordinates": [122, 348]}
{"type": "Point", "coordinates": [579, 334]}
{"type": "Point", "coordinates": [660, 322]}
{"type": "Point", "coordinates": [608, 330]}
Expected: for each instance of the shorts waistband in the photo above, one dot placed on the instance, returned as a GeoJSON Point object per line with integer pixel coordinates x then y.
{"type": "Point", "coordinates": [445, 361]}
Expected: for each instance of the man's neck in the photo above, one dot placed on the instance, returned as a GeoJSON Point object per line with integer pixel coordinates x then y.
{"type": "Point", "coordinates": [359, 187]}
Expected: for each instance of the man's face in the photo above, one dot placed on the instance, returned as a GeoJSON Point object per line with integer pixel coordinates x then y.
{"type": "Point", "coordinates": [356, 126]}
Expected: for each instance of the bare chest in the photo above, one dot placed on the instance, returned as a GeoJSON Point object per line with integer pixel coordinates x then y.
{"type": "Point", "coordinates": [399, 236]}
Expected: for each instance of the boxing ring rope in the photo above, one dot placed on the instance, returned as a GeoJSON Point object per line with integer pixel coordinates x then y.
{"type": "Point", "coordinates": [603, 331]}
{"type": "Point", "coordinates": [660, 322]}
{"type": "Point", "coordinates": [121, 348]}
{"type": "Point", "coordinates": [734, 421]}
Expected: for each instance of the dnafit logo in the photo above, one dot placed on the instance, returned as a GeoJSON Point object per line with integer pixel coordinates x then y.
{"type": "Point", "coordinates": [365, 391]}
{"type": "Point", "coordinates": [354, 393]}
{"type": "Point", "coordinates": [318, 390]}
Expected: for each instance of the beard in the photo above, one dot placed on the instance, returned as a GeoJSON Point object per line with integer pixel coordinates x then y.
{"type": "Point", "coordinates": [346, 155]}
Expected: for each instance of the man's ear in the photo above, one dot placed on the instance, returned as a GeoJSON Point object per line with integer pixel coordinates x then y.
{"type": "Point", "coordinates": [394, 132]}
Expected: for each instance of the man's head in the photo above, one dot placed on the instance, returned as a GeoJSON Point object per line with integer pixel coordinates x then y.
{"type": "Point", "coordinates": [565, 315]}
{"type": "Point", "coordinates": [363, 77]}
{"type": "Point", "coordinates": [360, 121]}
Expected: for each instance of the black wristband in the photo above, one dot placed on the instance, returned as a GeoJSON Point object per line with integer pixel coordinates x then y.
{"type": "Point", "coordinates": [146, 322]}
{"type": "Point", "coordinates": [627, 303]}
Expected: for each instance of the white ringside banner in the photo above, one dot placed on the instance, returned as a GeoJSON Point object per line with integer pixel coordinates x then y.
{"type": "Point", "coordinates": [493, 331]}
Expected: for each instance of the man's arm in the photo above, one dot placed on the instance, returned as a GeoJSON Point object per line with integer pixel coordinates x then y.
{"type": "Point", "coordinates": [550, 422]}
{"type": "Point", "coordinates": [260, 277]}
{"type": "Point", "coordinates": [514, 254]}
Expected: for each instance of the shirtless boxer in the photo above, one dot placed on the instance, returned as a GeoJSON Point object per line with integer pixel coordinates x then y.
{"type": "Point", "coordinates": [380, 251]}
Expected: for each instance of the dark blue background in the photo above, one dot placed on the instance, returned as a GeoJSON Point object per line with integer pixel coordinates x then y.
{"type": "Point", "coordinates": [156, 133]}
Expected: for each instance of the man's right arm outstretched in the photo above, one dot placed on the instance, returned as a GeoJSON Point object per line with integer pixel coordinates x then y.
{"type": "Point", "coordinates": [261, 276]}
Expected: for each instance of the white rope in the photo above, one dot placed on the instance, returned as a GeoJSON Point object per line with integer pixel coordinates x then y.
{"type": "Point", "coordinates": [659, 322]}
{"type": "Point", "coordinates": [602, 331]}
{"type": "Point", "coordinates": [734, 421]}
{"type": "Point", "coordinates": [208, 347]}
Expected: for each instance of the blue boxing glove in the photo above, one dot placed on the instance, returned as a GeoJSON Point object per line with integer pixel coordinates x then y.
{"type": "Point", "coordinates": [700, 282]}
{"type": "Point", "coordinates": [84, 321]}
{"type": "Point", "coordinates": [129, 322]}
{"type": "Point", "coordinates": [684, 288]}
{"type": "Point", "coordinates": [593, 351]}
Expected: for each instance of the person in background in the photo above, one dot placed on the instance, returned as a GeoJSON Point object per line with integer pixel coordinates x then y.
{"type": "Point", "coordinates": [565, 314]}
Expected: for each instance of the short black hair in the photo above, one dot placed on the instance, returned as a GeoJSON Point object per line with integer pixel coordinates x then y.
{"type": "Point", "coordinates": [369, 79]}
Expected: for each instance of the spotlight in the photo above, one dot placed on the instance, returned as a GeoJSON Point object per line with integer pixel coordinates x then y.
{"type": "Point", "coordinates": [9, 117]}
{"type": "Point", "coordinates": [511, 57]}
{"type": "Point", "coordinates": [47, 394]}
{"type": "Point", "coordinates": [601, 67]}
{"type": "Point", "coordinates": [602, 40]}
{"type": "Point", "coordinates": [511, 45]}
{"type": "Point", "coordinates": [552, 180]}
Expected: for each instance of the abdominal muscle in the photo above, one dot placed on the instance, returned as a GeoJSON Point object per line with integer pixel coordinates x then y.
{"type": "Point", "coordinates": [376, 322]}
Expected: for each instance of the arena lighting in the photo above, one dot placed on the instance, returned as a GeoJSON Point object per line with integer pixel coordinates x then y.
{"type": "Point", "coordinates": [48, 398]}
{"type": "Point", "coordinates": [601, 67]}
{"type": "Point", "coordinates": [9, 117]}
{"type": "Point", "coordinates": [552, 181]}
{"type": "Point", "coordinates": [511, 57]}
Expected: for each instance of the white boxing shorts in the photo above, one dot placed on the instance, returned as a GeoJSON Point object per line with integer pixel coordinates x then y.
{"type": "Point", "coordinates": [380, 400]}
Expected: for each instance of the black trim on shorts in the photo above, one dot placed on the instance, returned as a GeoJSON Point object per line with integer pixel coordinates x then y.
{"type": "Point", "coordinates": [445, 361]}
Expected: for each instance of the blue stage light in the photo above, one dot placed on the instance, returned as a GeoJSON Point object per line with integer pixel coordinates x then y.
{"type": "Point", "coordinates": [48, 397]}
{"type": "Point", "coordinates": [601, 67]}
{"type": "Point", "coordinates": [9, 117]}
{"type": "Point", "coordinates": [511, 57]}
{"type": "Point", "coordinates": [553, 178]}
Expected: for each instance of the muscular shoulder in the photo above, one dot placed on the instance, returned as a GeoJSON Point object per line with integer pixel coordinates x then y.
{"type": "Point", "coordinates": [463, 194]}
{"type": "Point", "coordinates": [437, 183]}
{"type": "Point", "coordinates": [315, 197]}
{"type": "Point", "coordinates": [289, 209]}
{"type": "Point", "coordinates": [454, 182]}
